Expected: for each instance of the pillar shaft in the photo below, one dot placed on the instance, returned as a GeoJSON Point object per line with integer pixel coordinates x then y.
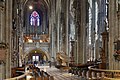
{"type": "Point", "coordinates": [8, 29]}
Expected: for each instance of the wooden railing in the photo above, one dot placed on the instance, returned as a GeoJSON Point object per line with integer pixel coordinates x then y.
{"type": "Point", "coordinates": [19, 77]}
{"type": "Point", "coordinates": [34, 72]}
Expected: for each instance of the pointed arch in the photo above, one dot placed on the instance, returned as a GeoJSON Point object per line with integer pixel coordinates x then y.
{"type": "Point", "coordinates": [34, 19]}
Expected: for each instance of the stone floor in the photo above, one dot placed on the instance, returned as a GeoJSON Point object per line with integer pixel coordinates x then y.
{"type": "Point", "coordinates": [62, 75]}
{"type": "Point", "coordinates": [58, 74]}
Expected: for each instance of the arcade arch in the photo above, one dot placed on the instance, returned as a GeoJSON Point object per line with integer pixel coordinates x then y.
{"type": "Point", "coordinates": [36, 54]}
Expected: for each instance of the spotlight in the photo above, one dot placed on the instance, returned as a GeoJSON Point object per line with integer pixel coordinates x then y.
{"type": "Point", "coordinates": [30, 7]}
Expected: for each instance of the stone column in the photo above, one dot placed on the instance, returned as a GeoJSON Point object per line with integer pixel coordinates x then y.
{"type": "Point", "coordinates": [53, 30]}
{"type": "Point", "coordinates": [2, 18]}
{"type": "Point", "coordinates": [8, 29]}
{"type": "Point", "coordinates": [67, 20]}
{"type": "Point", "coordinates": [50, 30]}
{"type": "Point", "coordinates": [63, 26]}
{"type": "Point", "coordinates": [77, 19]}
{"type": "Point", "coordinates": [93, 31]}
{"type": "Point", "coordinates": [44, 22]}
{"type": "Point", "coordinates": [118, 26]}
{"type": "Point", "coordinates": [58, 11]}
{"type": "Point", "coordinates": [80, 20]}
{"type": "Point", "coordinates": [2, 71]}
{"type": "Point", "coordinates": [1, 25]}
{"type": "Point", "coordinates": [111, 32]}
{"type": "Point", "coordinates": [83, 27]}
{"type": "Point", "coordinates": [118, 32]}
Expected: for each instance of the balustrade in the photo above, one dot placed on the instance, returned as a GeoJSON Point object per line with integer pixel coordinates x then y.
{"type": "Point", "coordinates": [93, 72]}
{"type": "Point", "coordinates": [110, 74]}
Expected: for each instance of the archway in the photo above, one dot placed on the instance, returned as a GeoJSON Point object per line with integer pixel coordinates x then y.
{"type": "Point", "coordinates": [36, 56]}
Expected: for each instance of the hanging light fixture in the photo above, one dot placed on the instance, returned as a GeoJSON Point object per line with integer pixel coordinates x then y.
{"type": "Point", "coordinates": [30, 7]}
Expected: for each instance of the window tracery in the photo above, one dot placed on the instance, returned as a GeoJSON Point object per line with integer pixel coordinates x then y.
{"type": "Point", "coordinates": [34, 19]}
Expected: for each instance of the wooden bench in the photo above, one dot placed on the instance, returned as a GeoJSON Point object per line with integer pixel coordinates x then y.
{"type": "Point", "coordinates": [17, 71]}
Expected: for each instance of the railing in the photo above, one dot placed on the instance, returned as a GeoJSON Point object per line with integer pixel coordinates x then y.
{"type": "Point", "coordinates": [80, 69]}
{"type": "Point", "coordinates": [19, 77]}
{"type": "Point", "coordinates": [95, 73]}
{"type": "Point", "coordinates": [31, 73]}
{"type": "Point", "coordinates": [92, 72]}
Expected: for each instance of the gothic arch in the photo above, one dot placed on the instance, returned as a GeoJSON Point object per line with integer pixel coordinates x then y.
{"type": "Point", "coordinates": [28, 51]}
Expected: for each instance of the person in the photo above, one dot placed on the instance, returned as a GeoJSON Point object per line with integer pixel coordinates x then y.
{"type": "Point", "coordinates": [35, 63]}
{"type": "Point", "coordinates": [49, 63]}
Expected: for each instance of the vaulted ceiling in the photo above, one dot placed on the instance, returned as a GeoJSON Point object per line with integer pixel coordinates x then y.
{"type": "Point", "coordinates": [39, 5]}
{"type": "Point", "coordinates": [38, 2]}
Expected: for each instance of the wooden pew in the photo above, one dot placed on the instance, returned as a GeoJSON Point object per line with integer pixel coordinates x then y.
{"type": "Point", "coordinates": [17, 71]}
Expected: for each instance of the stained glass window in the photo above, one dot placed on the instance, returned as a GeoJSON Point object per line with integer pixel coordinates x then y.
{"type": "Point", "coordinates": [34, 19]}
